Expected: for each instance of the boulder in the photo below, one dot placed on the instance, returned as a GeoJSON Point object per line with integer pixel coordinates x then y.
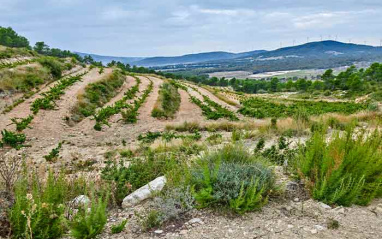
{"type": "Point", "coordinates": [144, 192]}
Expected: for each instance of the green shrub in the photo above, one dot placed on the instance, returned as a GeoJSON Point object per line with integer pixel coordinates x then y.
{"type": "Point", "coordinates": [334, 123]}
{"type": "Point", "coordinates": [151, 220]}
{"type": "Point", "coordinates": [12, 139]}
{"type": "Point", "coordinates": [263, 108]}
{"type": "Point", "coordinates": [224, 112]}
{"type": "Point", "coordinates": [53, 65]}
{"type": "Point", "coordinates": [377, 96]}
{"type": "Point", "coordinates": [279, 154]}
{"type": "Point", "coordinates": [172, 204]}
{"type": "Point", "coordinates": [316, 126]}
{"type": "Point", "coordinates": [184, 127]}
{"type": "Point", "coordinates": [345, 170]}
{"type": "Point", "coordinates": [22, 123]}
{"type": "Point", "coordinates": [39, 212]}
{"type": "Point", "coordinates": [88, 224]}
{"type": "Point", "coordinates": [237, 135]}
{"type": "Point", "coordinates": [96, 95]}
{"type": "Point", "coordinates": [126, 153]}
{"type": "Point", "coordinates": [139, 173]}
{"type": "Point", "coordinates": [168, 102]}
{"type": "Point", "coordinates": [260, 145]}
{"type": "Point", "coordinates": [167, 136]}
{"type": "Point", "coordinates": [231, 178]}
{"type": "Point", "coordinates": [54, 153]}
{"type": "Point", "coordinates": [373, 106]}
{"type": "Point", "coordinates": [119, 227]}
{"type": "Point", "coordinates": [23, 78]}
{"type": "Point", "coordinates": [215, 138]}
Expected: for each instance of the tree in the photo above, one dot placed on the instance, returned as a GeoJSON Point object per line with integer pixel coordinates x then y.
{"type": "Point", "coordinates": [301, 84]}
{"type": "Point", "coordinates": [273, 84]}
{"type": "Point", "coordinates": [328, 79]}
{"type": "Point", "coordinates": [354, 83]}
{"type": "Point", "coordinates": [41, 47]}
{"type": "Point", "coordinates": [8, 37]}
{"type": "Point", "coordinates": [289, 85]}
{"type": "Point", "coordinates": [318, 85]}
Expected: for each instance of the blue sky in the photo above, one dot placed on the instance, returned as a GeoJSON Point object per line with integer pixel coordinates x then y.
{"type": "Point", "coordinates": [174, 27]}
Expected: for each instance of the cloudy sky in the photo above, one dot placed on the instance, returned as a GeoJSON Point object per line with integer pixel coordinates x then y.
{"type": "Point", "coordinates": [175, 27]}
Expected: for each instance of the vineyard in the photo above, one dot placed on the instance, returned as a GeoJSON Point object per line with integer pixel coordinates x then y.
{"type": "Point", "coordinates": [114, 131]}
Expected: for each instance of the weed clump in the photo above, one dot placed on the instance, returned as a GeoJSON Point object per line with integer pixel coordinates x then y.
{"type": "Point", "coordinates": [119, 227]}
{"type": "Point", "coordinates": [89, 223]}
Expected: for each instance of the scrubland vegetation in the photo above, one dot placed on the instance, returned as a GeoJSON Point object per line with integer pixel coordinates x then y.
{"type": "Point", "coordinates": [168, 102]}
{"type": "Point", "coordinates": [74, 186]}
{"type": "Point", "coordinates": [263, 108]}
{"type": "Point", "coordinates": [96, 95]}
{"type": "Point", "coordinates": [346, 170]}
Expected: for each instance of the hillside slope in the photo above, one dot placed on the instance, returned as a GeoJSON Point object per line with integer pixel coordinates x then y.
{"type": "Point", "coordinates": [321, 55]}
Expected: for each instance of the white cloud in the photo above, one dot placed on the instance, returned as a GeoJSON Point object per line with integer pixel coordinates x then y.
{"type": "Point", "coordinates": [219, 12]}
{"type": "Point", "coordinates": [116, 14]}
{"type": "Point", "coordinates": [328, 19]}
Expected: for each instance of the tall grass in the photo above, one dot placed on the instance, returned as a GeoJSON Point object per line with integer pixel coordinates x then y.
{"type": "Point", "coordinates": [38, 211]}
{"type": "Point", "coordinates": [346, 170]}
{"type": "Point", "coordinates": [24, 78]}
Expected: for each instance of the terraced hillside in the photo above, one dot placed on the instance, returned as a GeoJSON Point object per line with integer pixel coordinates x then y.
{"type": "Point", "coordinates": [109, 131]}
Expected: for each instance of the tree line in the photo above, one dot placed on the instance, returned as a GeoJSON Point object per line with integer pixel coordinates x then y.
{"type": "Point", "coordinates": [9, 38]}
{"type": "Point", "coordinates": [352, 80]}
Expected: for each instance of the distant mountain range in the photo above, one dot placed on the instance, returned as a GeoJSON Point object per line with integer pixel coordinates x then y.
{"type": "Point", "coordinates": [108, 59]}
{"type": "Point", "coordinates": [172, 60]}
{"type": "Point", "coordinates": [194, 58]}
{"type": "Point", "coordinates": [323, 54]}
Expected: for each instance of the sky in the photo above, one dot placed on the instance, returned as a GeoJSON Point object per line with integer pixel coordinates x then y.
{"type": "Point", "coordinates": [173, 27]}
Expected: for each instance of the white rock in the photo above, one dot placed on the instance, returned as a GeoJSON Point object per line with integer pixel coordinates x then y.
{"type": "Point", "coordinates": [79, 201]}
{"type": "Point", "coordinates": [183, 232]}
{"type": "Point", "coordinates": [324, 206]}
{"type": "Point", "coordinates": [144, 192]}
{"type": "Point", "coordinates": [339, 209]}
{"type": "Point", "coordinates": [319, 227]}
{"type": "Point", "coordinates": [314, 231]}
{"type": "Point", "coordinates": [195, 221]}
{"type": "Point", "coordinates": [158, 231]}
{"type": "Point", "coordinates": [296, 199]}
{"type": "Point", "coordinates": [290, 226]}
